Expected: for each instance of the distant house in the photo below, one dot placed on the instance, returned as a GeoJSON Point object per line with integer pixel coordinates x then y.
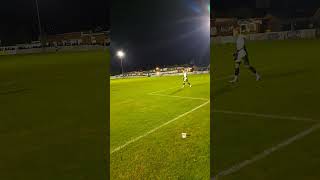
{"type": "Point", "coordinates": [265, 19]}
{"type": "Point", "coordinates": [226, 26]}
{"type": "Point", "coordinates": [223, 26]}
{"type": "Point", "coordinates": [274, 24]}
{"type": "Point", "coordinates": [295, 20]}
{"type": "Point", "coordinates": [253, 25]}
{"type": "Point", "coordinates": [79, 38]}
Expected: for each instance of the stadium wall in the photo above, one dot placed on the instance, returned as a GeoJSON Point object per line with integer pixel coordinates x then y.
{"type": "Point", "coordinates": [159, 74]}
{"type": "Point", "coordinates": [299, 34]}
{"type": "Point", "coordinates": [15, 50]}
{"type": "Point", "coordinates": [9, 50]}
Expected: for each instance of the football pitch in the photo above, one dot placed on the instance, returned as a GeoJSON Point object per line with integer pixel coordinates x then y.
{"type": "Point", "coordinates": [53, 116]}
{"type": "Point", "coordinates": [148, 116]}
{"type": "Point", "coordinates": [52, 107]}
{"type": "Point", "coordinates": [268, 129]}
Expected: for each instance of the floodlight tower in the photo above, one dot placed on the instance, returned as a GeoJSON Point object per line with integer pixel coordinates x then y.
{"type": "Point", "coordinates": [121, 55]}
{"type": "Point", "coordinates": [39, 22]}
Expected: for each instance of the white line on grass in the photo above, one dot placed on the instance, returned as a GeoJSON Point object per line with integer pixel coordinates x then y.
{"type": "Point", "coordinates": [267, 152]}
{"type": "Point", "coordinates": [155, 129]}
{"type": "Point", "coordinates": [164, 90]}
{"type": "Point", "coordinates": [181, 97]}
{"type": "Point", "coordinates": [271, 116]}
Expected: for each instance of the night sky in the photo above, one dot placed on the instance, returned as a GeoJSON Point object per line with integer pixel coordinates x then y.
{"type": "Point", "coordinates": [283, 4]}
{"type": "Point", "coordinates": [260, 8]}
{"type": "Point", "coordinates": [160, 33]}
{"type": "Point", "coordinates": [19, 19]}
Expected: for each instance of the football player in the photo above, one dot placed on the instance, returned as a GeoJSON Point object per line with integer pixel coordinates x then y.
{"type": "Point", "coordinates": [185, 78]}
{"type": "Point", "coordinates": [241, 56]}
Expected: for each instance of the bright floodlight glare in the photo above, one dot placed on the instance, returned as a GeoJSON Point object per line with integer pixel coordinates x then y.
{"type": "Point", "coordinates": [120, 54]}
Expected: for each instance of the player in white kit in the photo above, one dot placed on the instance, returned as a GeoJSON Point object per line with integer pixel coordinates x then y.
{"type": "Point", "coordinates": [185, 78]}
{"type": "Point", "coordinates": [241, 55]}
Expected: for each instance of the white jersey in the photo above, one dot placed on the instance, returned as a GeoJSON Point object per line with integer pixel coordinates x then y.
{"type": "Point", "coordinates": [185, 76]}
{"type": "Point", "coordinates": [240, 43]}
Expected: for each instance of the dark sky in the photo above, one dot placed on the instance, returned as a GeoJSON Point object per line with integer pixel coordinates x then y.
{"type": "Point", "coordinates": [284, 4]}
{"type": "Point", "coordinates": [19, 21]}
{"type": "Point", "coordinates": [259, 8]}
{"type": "Point", "coordinates": [157, 33]}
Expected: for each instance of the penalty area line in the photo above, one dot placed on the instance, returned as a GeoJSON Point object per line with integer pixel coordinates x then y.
{"type": "Point", "coordinates": [267, 152]}
{"type": "Point", "coordinates": [163, 90]}
{"type": "Point", "coordinates": [157, 128]}
{"type": "Point", "coordinates": [271, 116]}
{"type": "Point", "coordinates": [181, 97]}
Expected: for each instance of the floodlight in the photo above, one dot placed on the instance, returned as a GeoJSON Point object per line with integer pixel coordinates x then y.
{"type": "Point", "coordinates": [120, 54]}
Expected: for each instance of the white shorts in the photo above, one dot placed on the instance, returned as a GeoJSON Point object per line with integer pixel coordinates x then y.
{"type": "Point", "coordinates": [241, 54]}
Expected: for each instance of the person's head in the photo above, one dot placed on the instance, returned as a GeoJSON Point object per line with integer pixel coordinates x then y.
{"type": "Point", "coordinates": [237, 31]}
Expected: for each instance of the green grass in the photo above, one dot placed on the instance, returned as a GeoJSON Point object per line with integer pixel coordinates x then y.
{"type": "Point", "coordinates": [289, 87]}
{"type": "Point", "coordinates": [53, 116]}
{"type": "Point", "coordinates": [53, 111]}
{"type": "Point", "coordinates": [162, 154]}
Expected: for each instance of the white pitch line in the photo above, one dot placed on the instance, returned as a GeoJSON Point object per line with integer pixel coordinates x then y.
{"type": "Point", "coordinates": [181, 97]}
{"type": "Point", "coordinates": [157, 128]}
{"type": "Point", "coordinates": [267, 152]}
{"type": "Point", "coordinates": [271, 116]}
{"type": "Point", "coordinates": [164, 90]}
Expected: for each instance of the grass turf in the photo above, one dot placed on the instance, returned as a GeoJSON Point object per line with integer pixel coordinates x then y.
{"type": "Point", "coordinates": [162, 154]}
{"type": "Point", "coordinates": [289, 70]}
{"type": "Point", "coordinates": [53, 116]}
